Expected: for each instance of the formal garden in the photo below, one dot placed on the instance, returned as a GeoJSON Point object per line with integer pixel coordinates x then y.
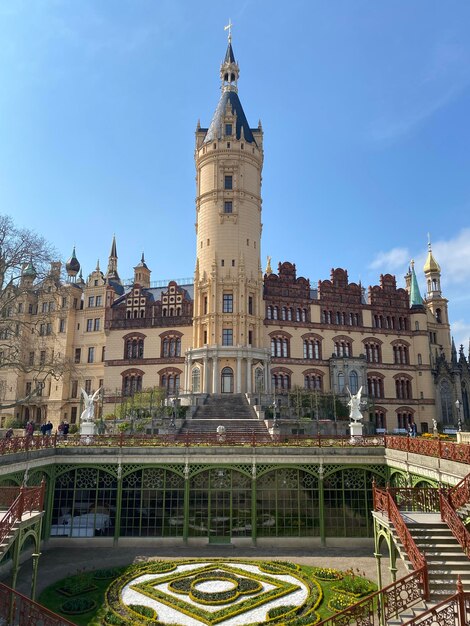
{"type": "Point", "coordinates": [189, 592]}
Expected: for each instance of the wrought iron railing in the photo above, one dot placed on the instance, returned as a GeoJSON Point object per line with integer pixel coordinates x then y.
{"type": "Point", "coordinates": [423, 499]}
{"type": "Point", "coordinates": [450, 516]}
{"type": "Point", "coordinates": [241, 438]}
{"type": "Point", "coordinates": [18, 610]}
{"type": "Point", "coordinates": [439, 448]}
{"type": "Point", "coordinates": [453, 611]}
{"type": "Point", "coordinates": [385, 604]}
{"type": "Point", "coordinates": [28, 499]}
{"type": "Point", "coordinates": [459, 494]}
{"type": "Point", "coordinates": [385, 503]}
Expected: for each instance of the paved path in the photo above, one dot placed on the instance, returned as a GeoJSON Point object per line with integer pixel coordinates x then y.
{"type": "Point", "coordinates": [57, 563]}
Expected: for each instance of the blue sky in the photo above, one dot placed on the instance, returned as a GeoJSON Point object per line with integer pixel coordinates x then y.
{"type": "Point", "coordinates": [364, 105]}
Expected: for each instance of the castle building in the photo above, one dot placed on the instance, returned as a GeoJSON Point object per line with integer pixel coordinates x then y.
{"type": "Point", "coordinates": [238, 330]}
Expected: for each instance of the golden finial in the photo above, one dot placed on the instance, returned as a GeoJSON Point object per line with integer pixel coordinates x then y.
{"type": "Point", "coordinates": [268, 266]}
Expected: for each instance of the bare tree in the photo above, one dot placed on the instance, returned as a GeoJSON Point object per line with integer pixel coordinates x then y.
{"type": "Point", "coordinates": [27, 273]}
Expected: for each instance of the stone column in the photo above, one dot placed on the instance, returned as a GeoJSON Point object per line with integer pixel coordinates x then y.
{"type": "Point", "coordinates": [249, 366]}
{"type": "Point", "coordinates": [215, 374]}
{"type": "Point", "coordinates": [267, 377]}
{"type": "Point", "coordinates": [239, 375]}
{"type": "Point", "coordinates": [205, 373]}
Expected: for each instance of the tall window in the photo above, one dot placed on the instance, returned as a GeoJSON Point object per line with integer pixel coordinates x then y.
{"type": "Point", "coordinates": [228, 206]}
{"type": "Point", "coordinates": [228, 303]}
{"type": "Point", "coordinates": [400, 354]}
{"type": "Point", "coordinates": [89, 325]}
{"type": "Point", "coordinates": [228, 182]}
{"type": "Point", "coordinates": [280, 381]}
{"type": "Point", "coordinates": [134, 348]}
{"type": "Point", "coordinates": [171, 382]}
{"type": "Point", "coordinates": [353, 382]}
{"type": "Point", "coordinates": [196, 380]}
{"type": "Point", "coordinates": [131, 384]}
{"type": "Point", "coordinates": [227, 337]}
{"type": "Point", "coordinates": [313, 382]}
{"type": "Point", "coordinates": [342, 348]}
{"type": "Point", "coordinates": [403, 388]}
{"type": "Point", "coordinates": [250, 305]}
{"type": "Point", "coordinates": [446, 402]}
{"type": "Point", "coordinates": [171, 347]}
{"type": "Point", "coordinates": [311, 349]}
{"type": "Point", "coordinates": [375, 386]}
{"type": "Point", "coordinates": [280, 347]}
{"type": "Point", "coordinates": [373, 352]}
{"type": "Point", "coordinates": [91, 355]}
{"type": "Point", "coordinates": [78, 355]}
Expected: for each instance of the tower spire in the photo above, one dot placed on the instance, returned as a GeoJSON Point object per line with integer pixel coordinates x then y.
{"type": "Point", "coordinates": [415, 296]}
{"type": "Point", "coordinates": [112, 272]}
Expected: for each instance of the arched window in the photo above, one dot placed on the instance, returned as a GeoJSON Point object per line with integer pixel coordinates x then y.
{"type": "Point", "coordinates": [373, 352]}
{"type": "Point", "coordinates": [403, 388]}
{"type": "Point", "coordinates": [196, 380]}
{"type": "Point", "coordinates": [446, 402]}
{"type": "Point", "coordinates": [227, 380]}
{"type": "Point", "coordinates": [280, 346]}
{"type": "Point", "coordinates": [134, 347]}
{"type": "Point", "coordinates": [375, 386]}
{"type": "Point", "coordinates": [311, 348]}
{"type": "Point", "coordinates": [400, 354]}
{"type": "Point", "coordinates": [131, 382]}
{"type": "Point", "coordinates": [340, 382]}
{"type": "Point", "coordinates": [313, 381]}
{"type": "Point", "coordinates": [353, 382]}
{"type": "Point", "coordinates": [259, 380]}
{"type": "Point", "coordinates": [171, 346]}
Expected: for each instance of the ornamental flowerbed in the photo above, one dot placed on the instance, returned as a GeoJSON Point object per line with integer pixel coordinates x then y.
{"type": "Point", "coordinates": [197, 592]}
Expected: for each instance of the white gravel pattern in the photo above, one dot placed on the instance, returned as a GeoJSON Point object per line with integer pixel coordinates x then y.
{"type": "Point", "coordinates": [171, 615]}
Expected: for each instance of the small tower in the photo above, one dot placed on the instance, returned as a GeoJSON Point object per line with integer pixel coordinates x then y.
{"type": "Point", "coordinates": [72, 267]}
{"type": "Point", "coordinates": [142, 274]}
{"type": "Point", "coordinates": [432, 271]}
{"type": "Point", "coordinates": [28, 275]}
{"type": "Point", "coordinates": [112, 272]}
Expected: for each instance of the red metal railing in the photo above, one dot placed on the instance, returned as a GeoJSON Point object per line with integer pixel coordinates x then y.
{"type": "Point", "coordinates": [385, 604]}
{"type": "Point", "coordinates": [439, 448]}
{"type": "Point", "coordinates": [459, 494]}
{"type": "Point", "coordinates": [28, 499]}
{"type": "Point", "coordinates": [17, 609]}
{"type": "Point", "coordinates": [450, 516]}
{"type": "Point", "coordinates": [237, 438]}
{"type": "Point", "coordinates": [453, 611]}
{"type": "Point", "coordinates": [384, 502]}
{"type": "Point", "coordinates": [423, 499]}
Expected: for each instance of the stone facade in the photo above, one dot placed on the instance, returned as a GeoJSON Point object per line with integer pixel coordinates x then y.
{"type": "Point", "coordinates": [235, 329]}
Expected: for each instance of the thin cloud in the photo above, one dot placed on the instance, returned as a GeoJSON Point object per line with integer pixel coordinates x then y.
{"type": "Point", "coordinates": [390, 261]}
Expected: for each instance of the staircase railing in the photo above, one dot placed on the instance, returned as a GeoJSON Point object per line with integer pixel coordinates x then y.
{"type": "Point", "coordinates": [28, 499]}
{"type": "Point", "coordinates": [453, 611]}
{"type": "Point", "coordinates": [384, 502]}
{"type": "Point", "coordinates": [17, 609]}
{"type": "Point", "coordinates": [459, 494]}
{"type": "Point", "coordinates": [450, 516]}
{"type": "Point", "coordinates": [385, 604]}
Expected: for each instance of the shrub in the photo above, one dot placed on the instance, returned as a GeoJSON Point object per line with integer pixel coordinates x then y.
{"type": "Point", "coordinates": [75, 606]}
{"type": "Point", "coordinates": [327, 573]}
{"type": "Point", "coordinates": [146, 611]}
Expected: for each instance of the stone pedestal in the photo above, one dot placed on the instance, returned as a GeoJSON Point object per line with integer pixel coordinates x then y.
{"type": "Point", "coordinates": [87, 429]}
{"type": "Point", "coordinates": [355, 429]}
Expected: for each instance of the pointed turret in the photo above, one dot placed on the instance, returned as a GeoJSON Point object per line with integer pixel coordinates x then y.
{"type": "Point", "coordinates": [432, 271]}
{"type": "Point", "coordinates": [72, 266]}
{"type": "Point", "coordinates": [415, 297]}
{"type": "Point", "coordinates": [142, 273]}
{"type": "Point", "coordinates": [229, 120]}
{"type": "Point", "coordinates": [453, 352]}
{"type": "Point", "coordinates": [112, 272]}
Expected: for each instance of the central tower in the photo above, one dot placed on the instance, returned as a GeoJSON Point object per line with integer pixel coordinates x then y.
{"type": "Point", "coordinates": [227, 354]}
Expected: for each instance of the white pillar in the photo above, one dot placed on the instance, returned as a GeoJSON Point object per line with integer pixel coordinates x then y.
{"type": "Point", "coordinates": [249, 375]}
{"type": "Point", "coordinates": [215, 374]}
{"type": "Point", "coordinates": [267, 377]}
{"type": "Point", "coordinates": [239, 375]}
{"type": "Point", "coordinates": [205, 373]}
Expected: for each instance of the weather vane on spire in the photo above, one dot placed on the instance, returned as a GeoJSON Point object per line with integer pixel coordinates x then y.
{"type": "Point", "coordinates": [229, 28]}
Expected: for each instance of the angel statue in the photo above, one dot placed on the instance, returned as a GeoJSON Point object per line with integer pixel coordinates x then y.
{"type": "Point", "coordinates": [355, 406]}
{"type": "Point", "coordinates": [88, 414]}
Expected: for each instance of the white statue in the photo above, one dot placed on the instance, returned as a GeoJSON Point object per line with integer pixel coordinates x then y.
{"type": "Point", "coordinates": [88, 414]}
{"type": "Point", "coordinates": [434, 426]}
{"type": "Point", "coordinates": [355, 403]}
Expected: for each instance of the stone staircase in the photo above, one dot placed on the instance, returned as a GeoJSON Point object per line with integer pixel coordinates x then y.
{"type": "Point", "coordinates": [10, 537]}
{"type": "Point", "coordinates": [444, 556]}
{"type": "Point", "coordinates": [231, 411]}
{"type": "Point", "coordinates": [225, 406]}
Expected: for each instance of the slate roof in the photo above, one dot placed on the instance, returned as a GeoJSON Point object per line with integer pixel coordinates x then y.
{"type": "Point", "coordinates": [215, 128]}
